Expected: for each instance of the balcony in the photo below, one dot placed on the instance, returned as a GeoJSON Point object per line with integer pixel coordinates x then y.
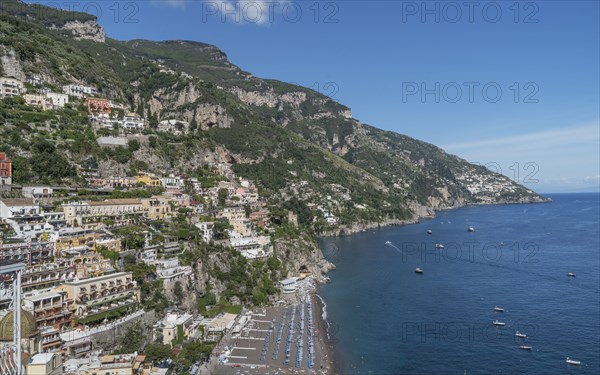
{"type": "Point", "coordinates": [82, 349]}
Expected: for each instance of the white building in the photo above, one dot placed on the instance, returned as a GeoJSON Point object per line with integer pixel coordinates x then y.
{"type": "Point", "coordinates": [79, 91]}
{"type": "Point", "coordinates": [170, 271]}
{"type": "Point", "coordinates": [37, 192]}
{"type": "Point", "coordinates": [206, 228]}
{"type": "Point", "coordinates": [168, 327]}
{"type": "Point", "coordinates": [148, 255]}
{"type": "Point", "coordinates": [54, 100]}
{"type": "Point", "coordinates": [24, 217]}
{"type": "Point", "coordinates": [172, 181]}
{"type": "Point", "coordinates": [196, 185]}
{"type": "Point", "coordinates": [174, 126]}
{"type": "Point", "coordinates": [133, 122]}
{"type": "Point", "coordinates": [251, 247]}
{"type": "Point", "coordinates": [104, 120]}
{"type": "Point", "coordinates": [10, 87]}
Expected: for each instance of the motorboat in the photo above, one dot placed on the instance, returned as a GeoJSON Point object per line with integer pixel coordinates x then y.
{"type": "Point", "coordinates": [429, 231]}
{"type": "Point", "coordinates": [521, 335]}
{"type": "Point", "coordinates": [499, 323]}
{"type": "Point", "coordinates": [573, 362]}
{"type": "Point", "coordinates": [525, 347]}
{"type": "Point", "coordinates": [471, 229]}
{"type": "Point", "coordinates": [571, 274]}
{"type": "Point", "coordinates": [419, 271]}
{"type": "Point", "coordinates": [439, 246]}
{"type": "Point", "coordinates": [388, 242]}
{"type": "Point", "coordinates": [498, 309]}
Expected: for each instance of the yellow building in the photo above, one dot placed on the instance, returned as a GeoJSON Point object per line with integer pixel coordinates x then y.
{"type": "Point", "coordinates": [118, 364]}
{"type": "Point", "coordinates": [93, 214]}
{"type": "Point", "coordinates": [35, 100]}
{"type": "Point", "coordinates": [75, 238]}
{"type": "Point", "coordinates": [45, 364]}
{"type": "Point", "coordinates": [90, 265]}
{"type": "Point", "coordinates": [159, 207]}
{"type": "Point", "coordinates": [113, 244]}
{"type": "Point", "coordinates": [233, 213]}
{"type": "Point", "coordinates": [148, 179]}
{"type": "Point", "coordinates": [97, 295]}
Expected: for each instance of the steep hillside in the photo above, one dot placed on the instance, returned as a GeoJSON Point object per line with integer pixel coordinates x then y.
{"type": "Point", "coordinates": [304, 149]}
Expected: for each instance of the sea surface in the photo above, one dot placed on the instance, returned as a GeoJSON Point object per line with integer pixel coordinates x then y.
{"type": "Point", "coordinates": [383, 318]}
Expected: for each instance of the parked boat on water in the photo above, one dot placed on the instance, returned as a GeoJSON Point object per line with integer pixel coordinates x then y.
{"type": "Point", "coordinates": [499, 323]}
{"type": "Point", "coordinates": [471, 229]}
{"type": "Point", "coordinates": [498, 309]}
{"type": "Point", "coordinates": [419, 271]}
{"type": "Point", "coordinates": [439, 246]}
{"type": "Point", "coordinates": [521, 335]}
{"type": "Point", "coordinates": [429, 231]}
{"type": "Point", "coordinates": [571, 274]}
{"type": "Point", "coordinates": [573, 362]}
{"type": "Point", "coordinates": [525, 347]}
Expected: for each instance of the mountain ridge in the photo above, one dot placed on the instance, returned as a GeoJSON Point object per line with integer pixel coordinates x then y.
{"type": "Point", "coordinates": [281, 135]}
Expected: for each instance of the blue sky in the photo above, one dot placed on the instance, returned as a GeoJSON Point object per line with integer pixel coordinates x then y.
{"type": "Point", "coordinates": [514, 87]}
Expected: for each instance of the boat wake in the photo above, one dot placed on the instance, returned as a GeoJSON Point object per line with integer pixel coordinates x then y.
{"type": "Point", "coordinates": [324, 314]}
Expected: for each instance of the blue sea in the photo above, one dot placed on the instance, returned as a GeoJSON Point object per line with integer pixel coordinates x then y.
{"type": "Point", "coordinates": [386, 319]}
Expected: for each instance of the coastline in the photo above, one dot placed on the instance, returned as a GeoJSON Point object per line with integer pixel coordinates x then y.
{"type": "Point", "coordinates": [493, 224]}
{"type": "Point", "coordinates": [422, 213]}
{"type": "Point", "coordinates": [324, 341]}
{"type": "Point", "coordinates": [324, 338]}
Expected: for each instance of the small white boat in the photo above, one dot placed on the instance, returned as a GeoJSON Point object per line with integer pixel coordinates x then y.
{"type": "Point", "coordinates": [525, 347]}
{"type": "Point", "coordinates": [498, 309]}
{"type": "Point", "coordinates": [571, 274]}
{"type": "Point", "coordinates": [439, 246]}
{"type": "Point", "coordinates": [429, 231]}
{"type": "Point", "coordinates": [388, 243]}
{"type": "Point", "coordinates": [471, 229]}
{"type": "Point", "coordinates": [499, 323]}
{"type": "Point", "coordinates": [419, 271]}
{"type": "Point", "coordinates": [521, 335]}
{"type": "Point", "coordinates": [573, 362]}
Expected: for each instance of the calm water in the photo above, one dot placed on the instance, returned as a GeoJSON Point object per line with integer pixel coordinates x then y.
{"type": "Point", "coordinates": [386, 319]}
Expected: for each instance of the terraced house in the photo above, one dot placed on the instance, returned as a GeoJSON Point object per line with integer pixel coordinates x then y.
{"type": "Point", "coordinates": [5, 170]}
{"type": "Point", "coordinates": [24, 216]}
{"type": "Point", "coordinates": [95, 297]}
{"type": "Point", "coordinates": [50, 308]}
{"type": "Point", "coordinates": [94, 215]}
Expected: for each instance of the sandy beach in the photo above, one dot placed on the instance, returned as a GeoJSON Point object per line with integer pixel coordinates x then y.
{"type": "Point", "coordinates": [324, 342]}
{"type": "Point", "coordinates": [276, 340]}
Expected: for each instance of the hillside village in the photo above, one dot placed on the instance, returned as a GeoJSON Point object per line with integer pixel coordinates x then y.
{"type": "Point", "coordinates": [153, 216]}
{"type": "Point", "coordinates": [90, 252]}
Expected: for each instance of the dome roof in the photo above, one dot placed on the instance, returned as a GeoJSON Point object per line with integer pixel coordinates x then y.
{"type": "Point", "coordinates": [28, 325]}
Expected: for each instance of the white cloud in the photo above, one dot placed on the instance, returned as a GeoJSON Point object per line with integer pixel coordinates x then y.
{"type": "Point", "coordinates": [567, 135]}
{"type": "Point", "coordinates": [256, 12]}
{"type": "Point", "coordinates": [171, 3]}
{"type": "Point", "coordinates": [559, 159]}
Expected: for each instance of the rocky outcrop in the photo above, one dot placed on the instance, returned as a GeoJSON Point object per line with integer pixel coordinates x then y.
{"type": "Point", "coordinates": [209, 116]}
{"type": "Point", "coordinates": [269, 98]}
{"type": "Point", "coordinates": [11, 66]}
{"type": "Point", "coordinates": [88, 30]}
{"type": "Point", "coordinates": [303, 255]}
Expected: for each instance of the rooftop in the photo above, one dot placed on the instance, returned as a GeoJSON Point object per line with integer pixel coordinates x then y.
{"type": "Point", "coordinates": [109, 202]}
{"type": "Point", "coordinates": [98, 278]}
{"type": "Point", "coordinates": [41, 358]}
{"type": "Point", "coordinates": [18, 202]}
